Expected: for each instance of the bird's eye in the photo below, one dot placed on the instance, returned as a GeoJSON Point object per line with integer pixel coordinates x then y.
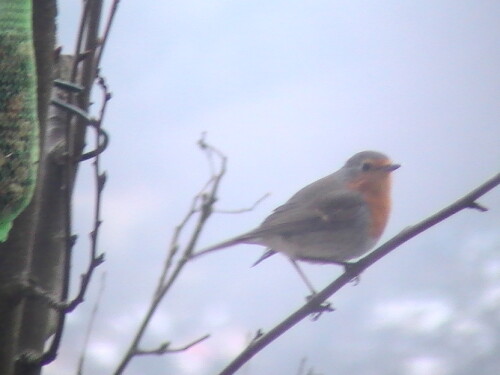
{"type": "Point", "coordinates": [366, 166]}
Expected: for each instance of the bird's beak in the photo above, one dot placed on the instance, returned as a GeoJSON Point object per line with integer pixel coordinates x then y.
{"type": "Point", "coordinates": [391, 167]}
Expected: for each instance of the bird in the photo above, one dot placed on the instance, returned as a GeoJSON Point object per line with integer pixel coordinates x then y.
{"type": "Point", "coordinates": [333, 220]}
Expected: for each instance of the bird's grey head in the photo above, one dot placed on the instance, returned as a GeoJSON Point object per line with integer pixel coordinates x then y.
{"type": "Point", "coordinates": [370, 160]}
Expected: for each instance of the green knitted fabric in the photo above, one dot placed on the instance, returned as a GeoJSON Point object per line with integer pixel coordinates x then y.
{"type": "Point", "coordinates": [18, 112]}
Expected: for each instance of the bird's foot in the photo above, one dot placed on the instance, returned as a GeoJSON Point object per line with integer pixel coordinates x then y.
{"type": "Point", "coordinates": [349, 268]}
{"type": "Point", "coordinates": [319, 309]}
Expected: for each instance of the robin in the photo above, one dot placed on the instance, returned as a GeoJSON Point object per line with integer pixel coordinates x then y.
{"type": "Point", "coordinates": [333, 220]}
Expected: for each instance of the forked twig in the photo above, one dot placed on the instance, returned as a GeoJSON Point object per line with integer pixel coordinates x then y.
{"type": "Point", "coordinates": [200, 210]}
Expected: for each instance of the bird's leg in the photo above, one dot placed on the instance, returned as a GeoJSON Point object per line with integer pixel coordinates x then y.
{"type": "Point", "coordinates": [303, 276]}
{"type": "Point", "coordinates": [324, 307]}
{"type": "Point", "coordinates": [320, 309]}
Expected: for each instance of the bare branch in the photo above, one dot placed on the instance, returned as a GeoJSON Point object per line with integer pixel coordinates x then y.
{"type": "Point", "coordinates": [90, 326]}
{"type": "Point", "coordinates": [477, 206]}
{"type": "Point", "coordinates": [302, 366]}
{"type": "Point", "coordinates": [96, 259]}
{"type": "Point", "coordinates": [243, 210]}
{"type": "Point", "coordinates": [107, 29]}
{"type": "Point", "coordinates": [25, 288]}
{"type": "Point", "coordinates": [87, 42]}
{"type": "Point", "coordinates": [199, 201]}
{"type": "Point", "coordinates": [165, 348]}
{"type": "Point", "coordinates": [467, 201]}
{"type": "Point", "coordinates": [201, 208]}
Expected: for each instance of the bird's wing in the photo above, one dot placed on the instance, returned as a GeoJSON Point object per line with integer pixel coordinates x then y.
{"type": "Point", "coordinates": [330, 212]}
{"type": "Point", "coordinates": [268, 253]}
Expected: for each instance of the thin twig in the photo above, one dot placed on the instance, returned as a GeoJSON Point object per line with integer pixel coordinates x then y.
{"type": "Point", "coordinates": [243, 210]}
{"type": "Point", "coordinates": [355, 269]}
{"type": "Point", "coordinates": [174, 243]}
{"type": "Point", "coordinates": [302, 366]}
{"type": "Point", "coordinates": [79, 39]}
{"type": "Point", "coordinates": [202, 206]}
{"type": "Point", "coordinates": [107, 30]}
{"type": "Point", "coordinates": [90, 326]}
{"type": "Point", "coordinates": [165, 348]}
{"type": "Point", "coordinates": [96, 259]}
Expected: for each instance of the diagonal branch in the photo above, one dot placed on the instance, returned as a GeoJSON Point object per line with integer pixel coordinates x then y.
{"type": "Point", "coordinates": [467, 201]}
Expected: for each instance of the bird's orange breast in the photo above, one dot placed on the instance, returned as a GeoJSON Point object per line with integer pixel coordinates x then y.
{"type": "Point", "coordinates": [376, 191]}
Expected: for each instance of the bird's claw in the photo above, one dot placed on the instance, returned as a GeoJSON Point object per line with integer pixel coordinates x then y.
{"type": "Point", "coordinates": [348, 267]}
{"type": "Point", "coordinates": [320, 309]}
{"type": "Point", "coordinates": [317, 310]}
{"type": "Point", "coordinates": [355, 280]}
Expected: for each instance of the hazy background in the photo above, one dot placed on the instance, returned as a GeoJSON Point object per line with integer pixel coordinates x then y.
{"type": "Point", "coordinates": [288, 90]}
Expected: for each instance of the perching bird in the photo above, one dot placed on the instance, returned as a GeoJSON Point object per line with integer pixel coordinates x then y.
{"type": "Point", "coordinates": [333, 220]}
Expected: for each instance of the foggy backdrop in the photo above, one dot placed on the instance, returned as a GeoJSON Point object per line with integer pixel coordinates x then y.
{"type": "Point", "coordinates": [288, 90]}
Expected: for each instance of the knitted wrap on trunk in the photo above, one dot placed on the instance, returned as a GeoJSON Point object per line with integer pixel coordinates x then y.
{"type": "Point", "coordinates": [19, 143]}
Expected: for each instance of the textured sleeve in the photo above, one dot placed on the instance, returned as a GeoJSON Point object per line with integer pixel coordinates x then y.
{"type": "Point", "coordinates": [18, 112]}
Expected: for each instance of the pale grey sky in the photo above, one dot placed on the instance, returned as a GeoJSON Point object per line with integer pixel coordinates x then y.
{"type": "Point", "coordinates": [288, 90]}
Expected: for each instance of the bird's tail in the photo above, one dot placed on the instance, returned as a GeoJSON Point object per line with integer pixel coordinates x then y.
{"type": "Point", "coordinates": [245, 238]}
{"type": "Point", "coordinates": [267, 254]}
